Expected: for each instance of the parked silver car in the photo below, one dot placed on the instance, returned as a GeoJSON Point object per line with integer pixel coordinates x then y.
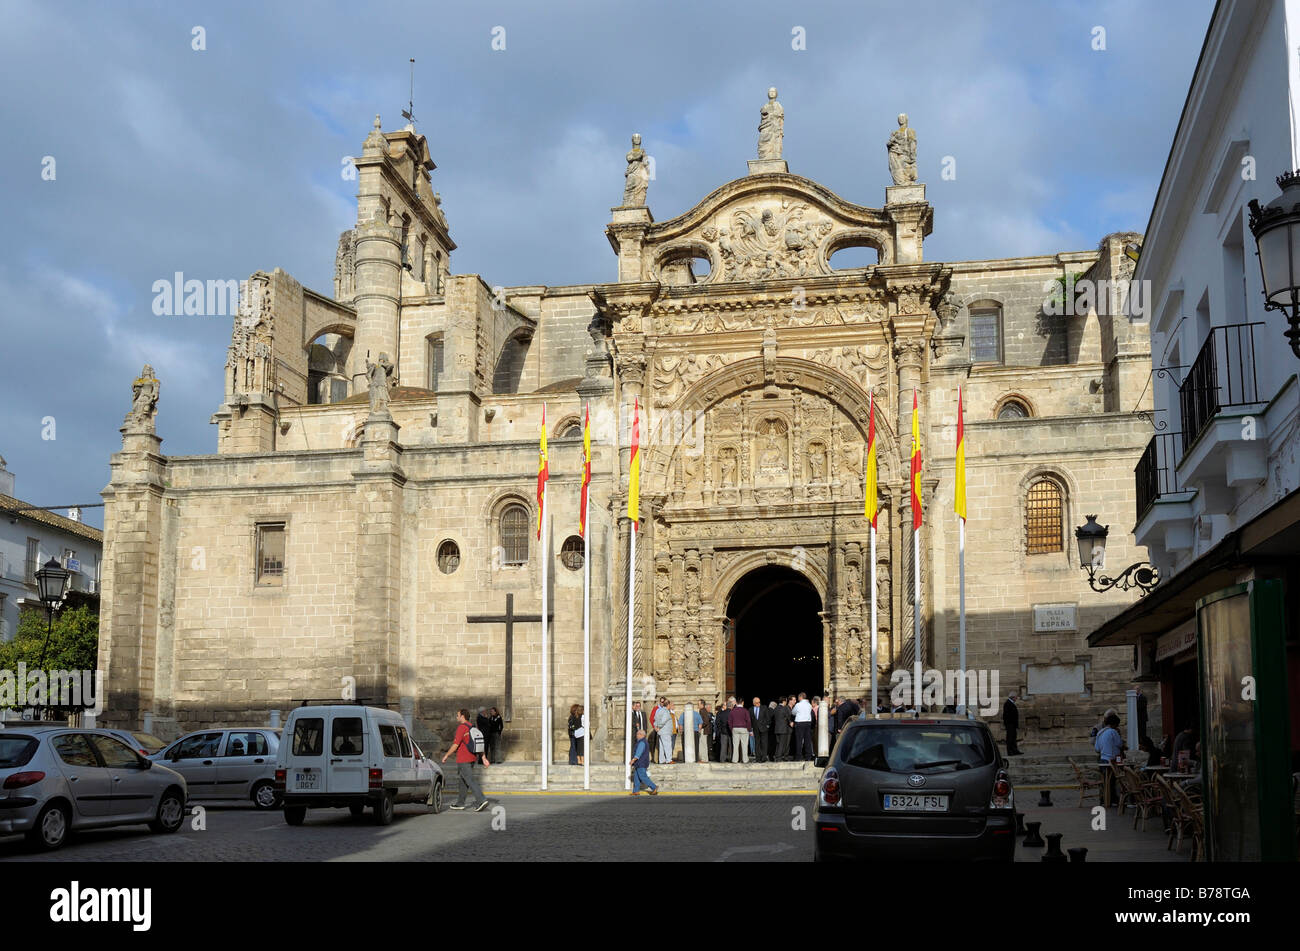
{"type": "Point", "coordinates": [54, 780]}
{"type": "Point", "coordinates": [146, 744]}
{"type": "Point", "coordinates": [227, 764]}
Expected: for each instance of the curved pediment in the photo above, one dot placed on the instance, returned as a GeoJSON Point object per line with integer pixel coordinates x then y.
{"type": "Point", "coordinates": [767, 227]}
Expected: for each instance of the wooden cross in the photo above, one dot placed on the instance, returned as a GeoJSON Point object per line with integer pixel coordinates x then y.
{"type": "Point", "coordinates": [508, 619]}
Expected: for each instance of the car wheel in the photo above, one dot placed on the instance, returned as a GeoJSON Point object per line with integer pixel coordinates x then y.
{"type": "Point", "coordinates": [435, 797]}
{"type": "Point", "coordinates": [52, 827]}
{"type": "Point", "coordinates": [295, 814]}
{"type": "Point", "coordinates": [264, 795]}
{"type": "Point", "coordinates": [384, 810]}
{"type": "Point", "coordinates": [171, 812]}
{"type": "Point", "coordinates": [357, 809]}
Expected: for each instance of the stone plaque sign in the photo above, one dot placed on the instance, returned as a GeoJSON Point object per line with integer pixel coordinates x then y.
{"type": "Point", "coordinates": [1049, 618]}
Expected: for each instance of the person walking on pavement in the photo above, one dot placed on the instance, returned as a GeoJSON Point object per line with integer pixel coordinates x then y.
{"type": "Point", "coordinates": [465, 759]}
{"type": "Point", "coordinates": [640, 764]}
{"type": "Point", "coordinates": [575, 735]}
{"type": "Point", "coordinates": [1011, 720]}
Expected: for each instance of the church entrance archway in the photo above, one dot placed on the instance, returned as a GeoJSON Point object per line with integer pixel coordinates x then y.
{"type": "Point", "coordinates": [777, 635]}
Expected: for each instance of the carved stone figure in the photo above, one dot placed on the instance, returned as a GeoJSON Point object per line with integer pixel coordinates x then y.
{"type": "Point", "coordinates": [661, 595]}
{"type": "Point", "coordinates": [816, 462]}
{"type": "Point", "coordinates": [144, 402]}
{"type": "Point", "coordinates": [853, 653]}
{"type": "Point", "coordinates": [769, 242]}
{"type": "Point", "coordinates": [902, 153]}
{"type": "Point", "coordinates": [771, 127]}
{"type": "Point", "coordinates": [727, 469]}
{"type": "Point", "coordinates": [677, 655]}
{"type": "Point", "coordinates": [692, 665]}
{"type": "Point", "coordinates": [771, 453]}
{"type": "Point", "coordinates": [692, 591]}
{"type": "Point", "coordinates": [637, 175]}
{"type": "Point", "coordinates": [377, 378]}
{"type": "Point", "coordinates": [853, 585]}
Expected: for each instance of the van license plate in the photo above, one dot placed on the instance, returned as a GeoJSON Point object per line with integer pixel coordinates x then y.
{"type": "Point", "coordinates": [308, 780]}
{"type": "Point", "coordinates": [898, 803]}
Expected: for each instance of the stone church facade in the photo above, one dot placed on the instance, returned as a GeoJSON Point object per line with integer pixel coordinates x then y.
{"type": "Point", "coordinates": [372, 495]}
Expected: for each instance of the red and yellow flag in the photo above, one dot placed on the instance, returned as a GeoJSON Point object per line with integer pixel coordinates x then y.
{"type": "Point", "coordinates": [959, 499]}
{"type": "Point", "coordinates": [634, 467]}
{"type": "Point", "coordinates": [872, 510]}
{"type": "Point", "coordinates": [916, 466]}
{"type": "Point", "coordinates": [543, 473]}
{"type": "Point", "coordinates": [586, 471]}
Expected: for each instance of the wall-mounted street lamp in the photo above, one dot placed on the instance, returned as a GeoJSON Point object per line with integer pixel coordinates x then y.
{"type": "Point", "coordinates": [1276, 228]}
{"type": "Point", "coordinates": [1092, 558]}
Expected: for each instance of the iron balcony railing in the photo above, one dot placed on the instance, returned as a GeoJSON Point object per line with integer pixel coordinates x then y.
{"type": "Point", "coordinates": [1221, 376]}
{"type": "Point", "coordinates": [1155, 475]}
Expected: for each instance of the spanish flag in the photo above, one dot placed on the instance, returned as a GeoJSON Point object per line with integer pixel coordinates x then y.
{"type": "Point", "coordinates": [543, 473]}
{"type": "Point", "coordinates": [872, 510]}
{"type": "Point", "coordinates": [916, 466]}
{"type": "Point", "coordinates": [634, 467]}
{"type": "Point", "coordinates": [959, 500]}
{"type": "Point", "coordinates": [586, 470]}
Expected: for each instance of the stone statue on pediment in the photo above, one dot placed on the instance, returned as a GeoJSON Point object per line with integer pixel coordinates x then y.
{"type": "Point", "coordinates": [902, 153]}
{"type": "Point", "coordinates": [378, 375]}
{"type": "Point", "coordinates": [144, 402]}
{"type": "Point", "coordinates": [637, 175]}
{"type": "Point", "coordinates": [771, 127]}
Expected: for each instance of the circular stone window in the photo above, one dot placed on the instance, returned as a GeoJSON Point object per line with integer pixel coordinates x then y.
{"type": "Point", "coordinates": [448, 557]}
{"type": "Point", "coordinates": [571, 553]}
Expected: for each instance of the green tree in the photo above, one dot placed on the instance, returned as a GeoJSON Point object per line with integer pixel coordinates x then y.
{"type": "Point", "coordinates": [73, 641]}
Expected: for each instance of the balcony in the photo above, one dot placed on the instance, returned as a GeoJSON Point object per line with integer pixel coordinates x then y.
{"type": "Point", "coordinates": [1223, 444]}
{"type": "Point", "coordinates": [1164, 510]}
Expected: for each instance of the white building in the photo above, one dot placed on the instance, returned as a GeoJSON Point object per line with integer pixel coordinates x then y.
{"type": "Point", "coordinates": [1217, 501]}
{"type": "Point", "coordinates": [29, 537]}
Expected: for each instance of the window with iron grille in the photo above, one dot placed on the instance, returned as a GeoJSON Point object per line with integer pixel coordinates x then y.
{"type": "Point", "coordinates": [434, 361]}
{"type": "Point", "coordinates": [1043, 518]}
{"type": "Point", "coordinates": [33, 559]}
{"type": "Point", "coordinates": [515, 526]}
{"type": "Point", "coordinates": [986, 336]}
{"type": "Point", "coordinates": [270, 553]}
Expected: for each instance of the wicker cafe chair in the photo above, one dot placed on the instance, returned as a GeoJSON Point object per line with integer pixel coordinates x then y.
{"type": "Point", "coordinates": [1189, 818]}
{"type": "Point", "coordinates": [1130, 788]}
{"type": "Point", "coordinates": [1087, 785]}
{"type": "Point", "coordinates": [1147, 796]}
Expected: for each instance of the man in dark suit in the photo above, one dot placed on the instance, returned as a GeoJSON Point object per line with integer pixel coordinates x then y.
{"type": "Point", "coordinates": [762, 731]}
{"type": "Point", "coordinates": [637, 720]}
{"type": "Point", "coordinates": [1011, 720]}
{"type": "Point", "coordinates": [782, 717]}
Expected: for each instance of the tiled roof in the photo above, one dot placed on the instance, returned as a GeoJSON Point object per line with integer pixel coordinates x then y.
{"type": "Point", "coordinates": [9, 505]}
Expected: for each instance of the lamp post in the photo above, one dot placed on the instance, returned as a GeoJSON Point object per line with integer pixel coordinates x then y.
{"type": "Point", "coordinates": [1276, 228]}
{"type": "Point", "coordinates": [51, 580]}
{"type": "Point", "coordinates": [1092, 557]}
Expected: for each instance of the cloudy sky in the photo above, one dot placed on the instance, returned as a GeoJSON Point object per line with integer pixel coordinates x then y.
{"type": "Point", "coordinates": [222, 161]}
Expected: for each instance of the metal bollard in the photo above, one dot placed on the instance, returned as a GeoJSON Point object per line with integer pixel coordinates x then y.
{"type": "Point", "coordinates": [1020, 823]}
{"type": "Point", "coordinates": [1078, 855]}
{"type": "Point", "coordinates": [1032, 839]}
{"type": "Point", "coordinates": [1044, 798]}
{"type": "Point", "coordinates": [1054, 853]}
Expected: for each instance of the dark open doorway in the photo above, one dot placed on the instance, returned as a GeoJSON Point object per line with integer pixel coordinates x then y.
{"type": "Point", "coordinates": [778, 639]}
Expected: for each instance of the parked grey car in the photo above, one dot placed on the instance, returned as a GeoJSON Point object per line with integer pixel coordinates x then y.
{"type": "Point", "coordinates": [54, 780]}
{"type": "Point", "coordinates": [227, 764]}
{"type": "Point", "coordinates": [146, 744]}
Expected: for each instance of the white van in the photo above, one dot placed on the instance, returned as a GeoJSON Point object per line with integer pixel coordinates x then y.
{"type": "Point", "coordinates": [340, 754]}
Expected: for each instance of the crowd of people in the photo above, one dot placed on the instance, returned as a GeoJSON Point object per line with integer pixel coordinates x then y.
{"type": "Point", "coordinates": [780, 730]}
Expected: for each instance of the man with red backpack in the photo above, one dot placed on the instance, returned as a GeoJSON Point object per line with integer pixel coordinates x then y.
{"type": "Point", "coordinates": [468, 749]}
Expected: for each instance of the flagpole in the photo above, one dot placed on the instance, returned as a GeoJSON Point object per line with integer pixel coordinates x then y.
{"type": "Point", "coordinates": [546, 698]}
{"type": "Point", "coordinates": [916, 615]}
{"type": "Point", "coordinates": [631, 614]}
{"type": "Point", "coordinates": [874, 708]}
{"type": "Point", "coordinates": [962, 708]}
{"type": "Point", "coordinates": [586, 644]}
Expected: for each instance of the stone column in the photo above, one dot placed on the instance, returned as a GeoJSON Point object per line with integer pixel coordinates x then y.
{"type": "Point", "coordinates": [823, 728]}
{"type": "Point", "coordinates": [379, 264]}
{"type": "Point", "coordinates": [708, 637]}
{"type": "Point", "coordinates": [688, 733]}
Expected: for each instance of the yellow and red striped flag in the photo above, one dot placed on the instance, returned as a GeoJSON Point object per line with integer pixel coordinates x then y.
{"type": "Point", "coordinates": [916, 466]}
{"type": "Point", "coordinates": [586, 471]}
{"type": "Point", "coordinates": [543, 473]}
{"type": "Point", "coordinates": [959, 500]}
{"type": "Point", "coordinates": [634, 467]}
{"type": "Point", "coordinates": [872, 509]}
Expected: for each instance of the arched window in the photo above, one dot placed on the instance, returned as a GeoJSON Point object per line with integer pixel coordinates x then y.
{"type": "Point", "coordinates": [1044, 518]}
{"type": "Point", "coordinates": [569, 429]}
{"type": "Point", "coordinates": [572, 552]}
{"type": "Point", "coordinates": [514, 535]}
{"type": "Point", "coordinates": [1013, 409]}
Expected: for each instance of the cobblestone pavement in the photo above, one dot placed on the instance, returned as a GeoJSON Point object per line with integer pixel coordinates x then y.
{"type": "Point", "coordinates": [681, 827]}
{"type": "Point", "coordinates": [536, 828]}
